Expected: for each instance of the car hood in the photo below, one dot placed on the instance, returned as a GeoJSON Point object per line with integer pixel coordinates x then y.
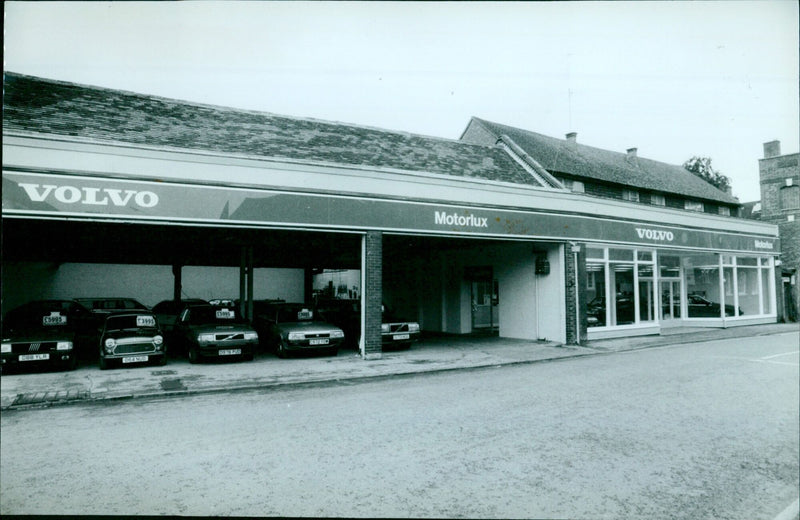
{"type": "Point", "coordinates": [220, 329]}
{"type": "Point", "coordinates": [307, 327]}
{"type": "Point", "coordinates": [132, 333]}
{"type": "Point", "coordinates": [38, 335]}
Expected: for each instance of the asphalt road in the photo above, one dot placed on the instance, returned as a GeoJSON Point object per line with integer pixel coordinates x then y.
{"type": "Point", "coordinates": [705, 430]}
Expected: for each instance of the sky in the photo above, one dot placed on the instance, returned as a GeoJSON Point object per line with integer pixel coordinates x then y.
{"type": "Point", "coordinates": [673, 79]}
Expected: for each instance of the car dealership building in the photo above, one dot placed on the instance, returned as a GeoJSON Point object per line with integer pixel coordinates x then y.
{"type": "Point", "coordinates": [484, 233]}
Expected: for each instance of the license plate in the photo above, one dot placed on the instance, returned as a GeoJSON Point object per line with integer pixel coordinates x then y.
{"type": "Point", "coordinates": [145, 321]}
{"type": "Point", "coordinates": [318, 342]}
{"type": "Point", "coordinates": [401, 336]}
{"type": "Point", "coordinates": [135, 359]}
{"type": "Point", "coordinates": [230, 352]}
{"type": "Point", "coordinates": [34, 357]}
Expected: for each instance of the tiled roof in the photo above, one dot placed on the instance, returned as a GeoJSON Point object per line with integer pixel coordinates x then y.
{"type": "Point", "coordinates": [562, 156]}
{"type": "Point", "coordinates": [32, 104]}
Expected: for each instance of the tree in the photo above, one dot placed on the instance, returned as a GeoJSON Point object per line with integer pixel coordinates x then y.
{"type": "Point", "coordinates": [701, 166]}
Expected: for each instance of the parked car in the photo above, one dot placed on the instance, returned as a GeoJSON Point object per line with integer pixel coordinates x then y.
{"type": "Point", "coordinates": [223, 302]}
{"type": "Point", "coordinates": [106, 305]}
{"type": "Point", "coordinates": [130, 337]}
{"type": "Point", "coordinates": [287, 327]}
{"type": "Point", "coordinates": [167, 312]}
{"type": "Point", "coordinates": [346, 314]}
{"type": "Point", "coordinates": [700, 307]}
{"type": "Point", "coordinates": [43, 333]}
{"type": "Point", "coordinates": [203, 331]}
{"type": "Point", "coordinates": [397, 332]}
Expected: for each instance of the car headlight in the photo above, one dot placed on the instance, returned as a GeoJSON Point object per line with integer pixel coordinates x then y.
{"type": "Point", "coordinates": [251, 336]}
{"type": "Point", "coordinates": [413, 327]}
{"type": "Point", "coordinates": [110, 344]}
{"type": "Point", "coordinates": [337, 334]}
{"type": "Point", "coordinates": [6, 348]}
{"type": "Point", "coordinates": [64, 345]}
{"type": "Point", "coordinates": [158, 341]}
{"type": "Point", "coordinates": [205, 338]}
{"type": "Point", "coordinates": [384, 327]}
{"type": "Point", "coordinates": [295, 336]}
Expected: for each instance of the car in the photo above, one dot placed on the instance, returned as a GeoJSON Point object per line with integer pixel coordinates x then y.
{"type": "Point", "coordinates": [106, 305]}
{"type": "Point", "coordinates": [346, 314]}
{"type": "Point", "coordinates": [167, 312]}
{"type": "Point", "coordinates": [293, 327]}
{"type": "Point", "coordinates": [700, 307]}
{"type": "Point", "coordinates": [43, 333]}
{"type": "Point", "coordinates": [204, 331]}
{"type": "Point", "coordinates": [224, 302]}
{"type": "Point", "coordinates": [397, 332]}
{"type": "Point", "coordinates": [131, 337]}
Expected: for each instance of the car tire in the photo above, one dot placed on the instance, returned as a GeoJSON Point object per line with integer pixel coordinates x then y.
{"type": "Point", "coordinates": [248, 357]}
{"type": "Point", "coordinates": [72, 364]}
{"type": "Point", "coordinates": [332, 352]}
{"type": "Point", "coordinates": [281, 350]}
{"type": "Point", "coordinates": [162, 360]}
{"type": "Point", "coordinates": [103, 363]}
{"type": "Point", "coordinates": [194, 357]}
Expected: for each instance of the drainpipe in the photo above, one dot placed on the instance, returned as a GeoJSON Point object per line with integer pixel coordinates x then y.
{"type": "Point", "coordinates": [575, 250]}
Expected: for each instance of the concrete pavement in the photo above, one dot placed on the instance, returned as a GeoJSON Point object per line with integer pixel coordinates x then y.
{"type": "Point", "coordinates": [433, 354]}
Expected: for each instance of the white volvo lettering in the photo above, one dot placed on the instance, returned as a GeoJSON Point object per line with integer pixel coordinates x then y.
{"type": "Point", "coordinates": [455, 219]}
{"type": "Point", "coordinates": [89, 196]}
{"type": "Point", "coordinates": [655, 234]}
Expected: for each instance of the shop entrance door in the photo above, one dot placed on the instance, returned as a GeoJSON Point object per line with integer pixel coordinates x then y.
{"type": "Point", "coordinates": [483, 306]}
{"type": "Point", "coordinates": [670, 300]}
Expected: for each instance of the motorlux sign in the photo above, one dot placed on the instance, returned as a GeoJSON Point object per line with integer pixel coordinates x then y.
{"type": "Point", "coordinates": [454, 219]}
{"type": "Point", "coordinates": [90, 197]}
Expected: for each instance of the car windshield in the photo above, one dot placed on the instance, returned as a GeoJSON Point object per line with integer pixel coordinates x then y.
{"type": "Point", "coordinates": [44, 316]}
{"type": "Point", "coordinates": [131, 321]}
{"type": "Point", "coordinates": [209, 315]}
{"type": "Point", "coordinates": [290, 313]}
{"type": "Point", "coordinates": [104, 304]}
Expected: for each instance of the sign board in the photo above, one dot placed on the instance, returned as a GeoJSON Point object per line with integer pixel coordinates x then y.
{"type": "Point", "coordinates": [72, 196]}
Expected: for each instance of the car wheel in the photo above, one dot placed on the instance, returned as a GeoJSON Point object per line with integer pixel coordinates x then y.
{"type": "Point", "coordinates": [103, 363]}
{"type": "Point", "coordinates": [162, 360]}
{"type": "Point", "coordinates": [332, 351]}
{"type": "Point", "coordinates": [281, 350]}
{"type": "Point", "coordinates": [73, 363]}
{"type": "Point", "coordinates": [194, 357]}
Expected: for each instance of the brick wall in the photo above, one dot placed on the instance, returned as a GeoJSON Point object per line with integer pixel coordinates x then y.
{"type": "Point", "coordinates": [575, 329]}
{"type": "Point", "coordinates": [774, 172]}
{"type": "Point", "coordinates": [373, 294]}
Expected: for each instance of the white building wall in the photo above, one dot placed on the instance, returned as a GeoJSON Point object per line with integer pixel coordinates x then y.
{"type": "Point", "coordinates": [150, 284]}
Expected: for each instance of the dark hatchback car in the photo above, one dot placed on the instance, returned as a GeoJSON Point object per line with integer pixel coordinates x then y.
{"type": "Point", "coordinates": [204, 331]}
{"type": "Point", "coordinates": [700, 307]}
{"type": "Point", "coordinates": [293, 327]}
{"type": "Point", "coordinates": [131, 338]}
{"type": "Point", "coordinates": [43, 334]}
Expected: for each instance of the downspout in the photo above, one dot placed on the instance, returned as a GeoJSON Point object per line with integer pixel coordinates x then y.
{"type": "Point", "coordinates": [575, 250]}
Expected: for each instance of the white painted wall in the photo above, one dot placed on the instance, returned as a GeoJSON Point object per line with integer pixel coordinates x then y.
{"type": "Point", "coordinates": [149, 284]}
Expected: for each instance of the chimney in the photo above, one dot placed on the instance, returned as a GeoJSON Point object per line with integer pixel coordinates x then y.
{"type": "Point", "coordinates": [572, 137]}
{"type": "Point", "coordinates": [772, 149]}
{"type": "Point", "coordinates": [632, 153]}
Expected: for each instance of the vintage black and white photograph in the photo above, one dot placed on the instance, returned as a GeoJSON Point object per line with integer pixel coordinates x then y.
{"type": "Point", "coordinates": [325, 259]}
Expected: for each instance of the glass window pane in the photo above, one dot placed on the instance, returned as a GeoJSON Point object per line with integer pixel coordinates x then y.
{"type": "Point", "coordinates": [621, 254]}
{"type": "Point", "coordinates": [644, 256]}
{"type": "Point", "coordinates": [766, 290]}
{"type": "Point", "coordinates": [622, 308]}
{"type": "Point", "coordinates": [596, 295]}
{"type": "Point", "coordinates": [747, 285]}
{"type": "Point", "coordinates": [702, 286]}
{"type": "Point", "coordinates": [727, 259]}
{"type": "Point", "coordinates": [593, 252]}
{"type": "Point", "coordinates": [647, 299]}
{"type": "Point", "coordinates": [746, 260]}
{"type": "Point", "coordinates": [669, 266]}
{"type": "Point", "coordinates": [730, 288]}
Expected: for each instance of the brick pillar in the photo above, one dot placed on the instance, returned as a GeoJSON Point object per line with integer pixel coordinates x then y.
{"type": "Point", "coordinates": [372, 294]}
{"type": "Point", "coordinates": [575, 294]}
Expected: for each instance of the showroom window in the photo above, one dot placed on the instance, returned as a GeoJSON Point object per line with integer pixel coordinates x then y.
{"type": "Point", "coordinates": [621, 287]}
{"type": "Point", "coordinates": [728, 286]}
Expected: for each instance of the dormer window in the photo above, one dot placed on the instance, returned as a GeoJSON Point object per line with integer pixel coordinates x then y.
{"type": "Point", "coordinates": [630, 195]}
{"type": "Point", "coordinates": [725, 210]}
{"type": "Point", "coordinates": [657, 199]}
{"type": "Point", "coordinates": [693, 205]}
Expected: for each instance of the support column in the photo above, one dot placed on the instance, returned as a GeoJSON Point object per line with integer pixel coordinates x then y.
{"type": "Point", "coordinates": [177, 282]}
{"type": "Point", "coordinates": [575, 274]}
{"type": "Point", "coordinates": [243, 282]}
{"type": "Point", "coordinates": [372, 294]}
{"type": "Point", "coordinates": [250, 282]}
